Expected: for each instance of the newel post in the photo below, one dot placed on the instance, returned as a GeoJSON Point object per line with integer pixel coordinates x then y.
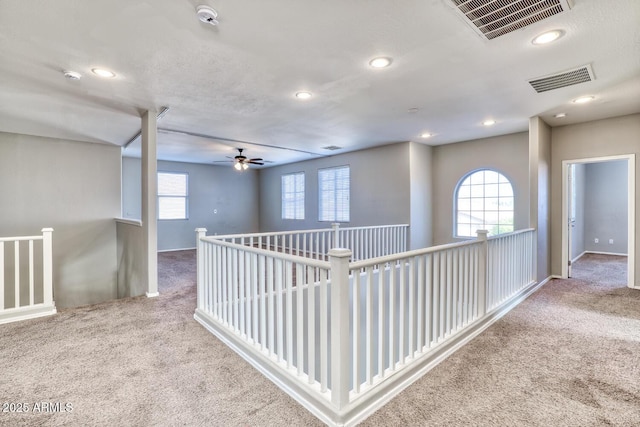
{"type": "Point", "coordinates": [482, 272]}
{"type": "Point", "coordinates": [47, 265]}
{"type": "Point", "coordinates": [340, 354]}
{"type": "Point", "coordinates": [200, 234]}
{"type": "Point", "coordinates": [336, 235]}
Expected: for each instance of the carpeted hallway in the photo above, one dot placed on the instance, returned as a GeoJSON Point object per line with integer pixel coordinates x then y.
{"type": "Point", "coordinates": [567, 356]}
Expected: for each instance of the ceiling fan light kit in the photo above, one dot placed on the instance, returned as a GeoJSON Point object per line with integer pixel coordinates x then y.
{"type": "Point", "coordinates": [241, 162]}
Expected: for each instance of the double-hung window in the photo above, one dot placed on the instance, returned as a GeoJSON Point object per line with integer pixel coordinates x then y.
{"type": "Point", "coordinates": [173, 195]}
{"type": "Point", "coordinates": [333, 192]}
{"type": "Point", "coordinates": [293, 196]}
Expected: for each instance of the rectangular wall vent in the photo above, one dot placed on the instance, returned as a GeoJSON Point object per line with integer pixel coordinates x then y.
{"type": "Point", "coordinates": [567, 78]}
{"type": "Point", "coordinates": [495, 18]}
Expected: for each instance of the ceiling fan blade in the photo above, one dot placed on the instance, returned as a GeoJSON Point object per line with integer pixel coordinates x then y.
{"type": "Point", "coordinates": [255, 163]}
{"type": "Point", "coordinates": [256, 159]}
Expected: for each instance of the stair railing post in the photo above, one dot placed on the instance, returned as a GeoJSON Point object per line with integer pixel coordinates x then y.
{"type": "Point", "coordinates": [482, 272]}
{"type": "Point", "coordinates": [200, 234]}
{"type": "Point", "coordinates": [47, 265]}
{"type": "Point", "coordinates": [340, 349]}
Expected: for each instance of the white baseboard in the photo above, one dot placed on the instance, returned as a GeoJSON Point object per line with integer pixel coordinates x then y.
{"type": "Point", "coordinates": [25, 313]}
{"type": "Point", "coordinates": [578, 257]}
{"type": "Point", "coordinates": [605, 253]}
{"type": "Point", "coordinates": [545, 281]}
{"type": "Point", "coordinates": [176, 250]}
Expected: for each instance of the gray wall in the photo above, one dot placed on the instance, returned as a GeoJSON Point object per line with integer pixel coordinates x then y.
{"type": "Point", "coordinates": [605, 207]}
{"type": "Point", "coordinates": [507, 154]}
{"type": "Point", "coordinates": [577, 233]}
{"type": "Point", "coordinates": [608, 137]}
{"type": "Point", "coordinates": [421, 169]}
{"type": "Point", "coordinates": [73, 187]}
{"type": "Point", "coordinates": [232, 194]}
{"type": "Point", "coordinates": [380, 189]}
{"type": "Point", "coordinates": [131, 267]}
{"type": "Point", "coordinates": [540, 193]}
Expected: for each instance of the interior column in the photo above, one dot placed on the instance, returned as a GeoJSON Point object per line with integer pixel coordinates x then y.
{"type": "Point", "coordinates": [149, 207]}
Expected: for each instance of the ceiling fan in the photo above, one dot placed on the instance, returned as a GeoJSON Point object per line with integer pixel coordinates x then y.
{"type": "Point", "coordinates": [241, 162]}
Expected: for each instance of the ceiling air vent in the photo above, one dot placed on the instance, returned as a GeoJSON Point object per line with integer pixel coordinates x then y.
{"type": "Point", "coordinates": [331, 147]}
{"type": "Point", "coordinates": [567, 78]}
{"type": "Point", "coordinates": [495, 18]}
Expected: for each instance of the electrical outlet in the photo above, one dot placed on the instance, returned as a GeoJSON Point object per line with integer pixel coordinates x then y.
{"type": "Point", "coordinates": [596, 240]}
{"type": "Point", "coordinates": [215, 211]}
{"type": "Point", "coordinates": [611, 241]}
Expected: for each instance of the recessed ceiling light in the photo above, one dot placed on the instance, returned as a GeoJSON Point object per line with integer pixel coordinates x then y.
{"type": "Point", "coordinates": [560, 115]}
{"type": "Point", "coordinates": [426, 135]}
{"type": "Point", "coordinates": [303, 95]}
{"type": "Point", "coordinates": [72, 75]}
{"type": "Point", "coordinates": [583, 99]}
{"type": "Point", "coordinates": [207, 14]}
{"type": "Point", "coordinates": [103, 73]}
{"type": "Point", "coordinates": [548, 37]}
{"type": "Point", "coordinates": [380, 62]}
{"type": "Point", "coordinates": [489, 122]}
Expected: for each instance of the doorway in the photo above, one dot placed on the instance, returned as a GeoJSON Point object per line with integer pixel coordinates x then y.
{"type": "Point", "coordinates": [612, 208]}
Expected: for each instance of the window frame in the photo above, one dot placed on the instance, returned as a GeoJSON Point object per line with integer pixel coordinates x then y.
{"type": "Point", "coordinates": [337, 201]}
{"type": "Point", "coordinates": [185, 197]}
{"type": "Point", "coordinates": [297, 203]}
{"type": "Point", "coordinates": [499, 212]}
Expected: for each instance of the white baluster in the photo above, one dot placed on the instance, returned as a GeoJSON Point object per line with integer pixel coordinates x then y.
{"type": "Point", "coordinates": [1, 276]}
{"type": "Point", "coordinates": [300, 269]}
{"type": "Point", "coordinates": [289, 309]}
{"type": "Point", "coordinates": [31, 268]}
{"type": "Point", "coordinates": [357, 339]}
{"type": "Point", "coordinates": [324, 342]}
{"type": "Point", "coordinates": [369, 331]}
{"type": "Point", "coordinates": [311, 324]}
{"type": "Point", "coordinates": [482, 269]}
{"type": "Point", "coordinates": [16, 258]}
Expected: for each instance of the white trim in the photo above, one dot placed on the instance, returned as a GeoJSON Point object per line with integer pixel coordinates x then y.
{"type": "Point", "coordinates": [631, 214]}
{"type": "Point", "coordinates": [28, 312]}
{"type": "Point", "coordinates": [135, 222]}
{"type": "Point", "coordinates": [578, 257]}
{"type": "Point", "coordinates": [152, 294]}
{"type": "Point", "coordinates": [545, 281]}
{"type": "Point", "coordinates": [604, 253]}
{"type": "Point", "coordinates": [176, 250]}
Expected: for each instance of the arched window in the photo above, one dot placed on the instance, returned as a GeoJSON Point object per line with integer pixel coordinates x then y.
{"type": "Point", "coordinates": [484, 201]}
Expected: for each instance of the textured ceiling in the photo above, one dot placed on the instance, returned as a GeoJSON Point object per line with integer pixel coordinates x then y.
{"type": "Point", "coordinates": [237, 81]}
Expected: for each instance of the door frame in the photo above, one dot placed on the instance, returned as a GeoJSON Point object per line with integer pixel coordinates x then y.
{"type": "Point", "coordinates": [571, 220]}
{"type": "Point", "coordinates": [631, 203]}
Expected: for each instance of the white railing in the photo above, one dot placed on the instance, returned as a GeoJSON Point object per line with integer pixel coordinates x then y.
{"type": "Point", "coordinates": [344, 337]}
{"type": "Point", "coordinates": [28, 279]}
{"type": "Point", "coordinates": [372, 242]}
{"type": "Point", "coordinates": [364, 242]}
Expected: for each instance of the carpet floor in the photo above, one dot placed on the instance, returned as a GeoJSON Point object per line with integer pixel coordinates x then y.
{"type": "Point", "coordinates": [567, 356]}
